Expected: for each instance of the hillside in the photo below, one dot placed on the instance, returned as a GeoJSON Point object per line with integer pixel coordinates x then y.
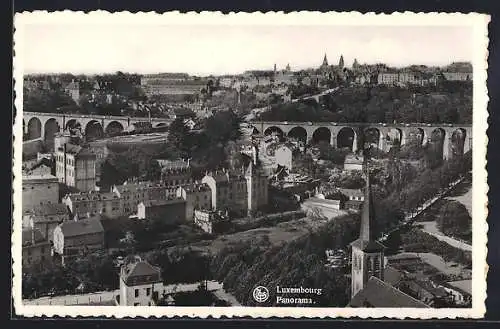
{"type": "Point", "coordinates": [447, 103]}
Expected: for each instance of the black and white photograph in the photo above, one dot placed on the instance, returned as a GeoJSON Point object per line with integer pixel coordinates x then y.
{"type": "Point", "coordinates": [299, 164]}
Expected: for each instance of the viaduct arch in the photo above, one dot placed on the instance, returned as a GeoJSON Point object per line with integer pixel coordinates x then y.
{"type": "Point", "coordinates": [454, 138]}
{"type": "Point", "coordinates": [45, 125]}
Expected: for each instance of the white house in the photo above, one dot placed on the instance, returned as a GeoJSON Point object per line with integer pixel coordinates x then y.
{"type": "Point", "coordinates": [140, 283]}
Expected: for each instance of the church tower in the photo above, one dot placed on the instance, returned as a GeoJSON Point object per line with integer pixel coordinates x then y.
{"type": "Point", "coordinates": [367, 252]}
{"type": "Point", "coordinates": [325, 61]}
{"type": "Point", "coordinates": [341, 62]}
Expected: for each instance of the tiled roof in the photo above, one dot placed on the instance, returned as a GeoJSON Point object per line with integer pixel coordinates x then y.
{"type": "Point", "coordinates": [159, 203]}
{"type": "Point", "coordinates": [377, 293]}
{"type": "Point", "coordinates": [82, 227]}
{"type": "Point", "coordinates": [141, 269]}
{"type": "Point", "coordinates": [392, 276]}
{"type": "Point", "coordinates": [464, 285]}
{"type": "Point", "coordinates": [353, 192]}
{"type": "Point", "coordinates": [49, 209]}
{"type": "Point", "coordinates": [196, 187]}
{"type": "Point", "coordinates": [428, 286]}
{"type": "Point", "coordinates": [38, 178]}
{"type": "Point", "coordinates": [92, 196]}
{"type": "Point", "coordinates": [29, 234]}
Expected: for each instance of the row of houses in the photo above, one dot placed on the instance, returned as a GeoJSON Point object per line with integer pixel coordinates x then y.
{"type": "Point", "coordinates": [227, 191]}
{"type": "Point", "coordinates": [416, 78]}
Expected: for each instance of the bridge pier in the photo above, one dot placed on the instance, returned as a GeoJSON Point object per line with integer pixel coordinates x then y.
{"type": "Point", "coordinates": [446, 147]}
{"type": "Point", "coordinates": [403, 137]}
{"type": "Point", "coordinates": [355, 141]}
{"type": "Point", "coordinates": [333, 139]}
{"type": "Point", "coordinates": [467, 144]}
{"type": "Point", "coordinates": [381, 142]}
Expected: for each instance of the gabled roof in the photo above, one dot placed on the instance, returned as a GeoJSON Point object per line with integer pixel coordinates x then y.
{"type": "Point", "coordinates": [140, 269]}
{"type": "Point", "coordinates": [378, 293]}
{"type": "Point", "coordinates": [82, 227]}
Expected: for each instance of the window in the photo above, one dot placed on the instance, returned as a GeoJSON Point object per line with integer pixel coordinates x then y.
{"type": "Point", "coordinates": [136, 292]}
{"type": "Point", "coordinates": [148, 291]}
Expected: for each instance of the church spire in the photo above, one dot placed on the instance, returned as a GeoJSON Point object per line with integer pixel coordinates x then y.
{"type": "Point", "coordinates": [341, 62]}
{"type": "Point", "coordinates": [367, 233]}
{"type": "Point", "coordinates": [325, 61]}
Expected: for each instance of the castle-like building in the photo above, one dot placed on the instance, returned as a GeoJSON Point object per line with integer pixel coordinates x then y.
{"type": "Point", "coordinates": [244, 191]}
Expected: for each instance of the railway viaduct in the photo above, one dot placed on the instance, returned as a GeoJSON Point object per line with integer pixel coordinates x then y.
{"type": "Point", "coordinates": [381, 135]}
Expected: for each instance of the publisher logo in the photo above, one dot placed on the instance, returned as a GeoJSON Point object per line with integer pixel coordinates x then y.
{"type": "Point", "coordinates": [260, 294]}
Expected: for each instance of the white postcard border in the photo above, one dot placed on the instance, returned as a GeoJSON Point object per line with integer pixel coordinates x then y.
{"type": "Point", "coordinates": [478, 22]}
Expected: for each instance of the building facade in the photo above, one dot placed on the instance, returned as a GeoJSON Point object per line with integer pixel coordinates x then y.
{"type": "Point", "coordinates": [87, 204]}
{"type": "Point", "coordinates": [197, 197]}
{"type": "Point", "coordinates": [39, 190]}
{"type": "Point", "coordinates": [36, 248]}
{"type": "Point", "coordinates": [45, 218]}
{"type": "Point", "coordinates": [239, 192]}
{"type": "Point", "coordinates": [209, 221]}
{"type": "Point", "coordinates": [75, 167]}
{"type": "Point", "coordinates": [77, 237]}
{"type": "Point", "coordinates": [134, 193]}
{"type": "Point", "coordinates": [168, 211]}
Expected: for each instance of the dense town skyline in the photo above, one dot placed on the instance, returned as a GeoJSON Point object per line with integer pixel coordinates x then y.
{"type": "Point", "coordinates": [132, 49]}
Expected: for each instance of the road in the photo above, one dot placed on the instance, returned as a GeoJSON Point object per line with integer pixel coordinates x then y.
{"type": "Point", "coordinates": [410, 216]}
{"type": "Point", "coordinates": [431, 228]}
{"type": "Point", "coordinates": [104, 296]}
{"type": "Point", "coordinates": [465, 199]}
{"type": "Point", "coordinates": [449, 268]}
{"type": "Point", "coordinates": [326, 92]}
{"type": "Point", "coordinates": [223, 295]}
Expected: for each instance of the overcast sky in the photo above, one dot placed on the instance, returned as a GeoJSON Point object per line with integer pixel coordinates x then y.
{"type": "Point", "coordinates": [203, 50]}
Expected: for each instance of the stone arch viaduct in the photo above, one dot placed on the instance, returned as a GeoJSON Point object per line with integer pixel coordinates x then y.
{"type": "Point", "coordinates": [45, 125]}
{"type": "Point", "coordinates": [332, 130]}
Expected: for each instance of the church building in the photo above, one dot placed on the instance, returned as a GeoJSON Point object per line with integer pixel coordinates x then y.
{"type": "Point", "coordinates": [368, 287]}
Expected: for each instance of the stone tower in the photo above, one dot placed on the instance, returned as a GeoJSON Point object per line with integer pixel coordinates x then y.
{"type": "Point", "coordinates": [341, 62]}
{"type": "Point", "coordinates": [367, 252]}
{"type": "Point", "coordinates": [355, 64]}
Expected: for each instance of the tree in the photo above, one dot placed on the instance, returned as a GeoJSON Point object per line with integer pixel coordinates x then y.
{"type": "Point", "coordinates": [179, 137]}
{"type": "Point", "coordinates": [454, 219]}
